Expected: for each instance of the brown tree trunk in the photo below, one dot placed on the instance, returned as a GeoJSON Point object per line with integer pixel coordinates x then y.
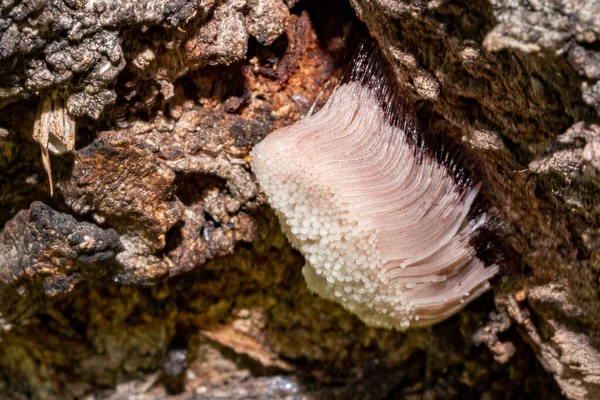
{"type": "Point", "coordinates": [157, 270]}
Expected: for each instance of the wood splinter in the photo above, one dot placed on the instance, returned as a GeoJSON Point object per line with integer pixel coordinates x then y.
{"type": "Point", "coordinates": [54, 130]}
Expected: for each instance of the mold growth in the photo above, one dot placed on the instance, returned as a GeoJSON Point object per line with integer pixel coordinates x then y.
{"type": "Point", "coordinates": [382, 222]}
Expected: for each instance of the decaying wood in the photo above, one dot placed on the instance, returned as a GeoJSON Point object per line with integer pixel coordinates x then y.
{"type": "Point", "coordinates": [54, 130]}
{"type": "Point", "coordinates": [157, 270]}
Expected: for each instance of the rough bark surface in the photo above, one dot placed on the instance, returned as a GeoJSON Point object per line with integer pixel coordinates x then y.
{"type": "Point", "coordinates": [157, 270]}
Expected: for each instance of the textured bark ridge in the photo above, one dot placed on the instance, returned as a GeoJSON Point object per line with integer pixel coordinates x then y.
{"type": "Point", "coordinates": [157, 269]}
{"type": "Point", "coordinates": [50, 251]}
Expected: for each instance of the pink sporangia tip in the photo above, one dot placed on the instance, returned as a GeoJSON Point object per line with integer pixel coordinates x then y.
{"type": "Point", "coordinates": [382, 222]}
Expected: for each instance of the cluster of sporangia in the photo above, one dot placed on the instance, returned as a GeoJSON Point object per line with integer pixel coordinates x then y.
{"type": "Point", "coordinates": [383, 228]}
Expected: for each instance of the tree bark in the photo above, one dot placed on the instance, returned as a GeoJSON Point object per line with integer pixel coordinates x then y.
{"type": "Point", "coordinates": [157, 270]}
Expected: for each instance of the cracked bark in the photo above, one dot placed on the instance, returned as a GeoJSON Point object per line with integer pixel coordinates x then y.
{"type": "Point", "coordinates": [157, 270]}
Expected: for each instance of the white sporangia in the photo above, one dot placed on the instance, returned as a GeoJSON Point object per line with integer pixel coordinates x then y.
{"type": "Point", "coordinates": [383, 228]}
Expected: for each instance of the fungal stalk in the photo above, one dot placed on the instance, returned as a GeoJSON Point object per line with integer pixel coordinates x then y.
{"type": "Point", "coordinates": [382, 223]}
